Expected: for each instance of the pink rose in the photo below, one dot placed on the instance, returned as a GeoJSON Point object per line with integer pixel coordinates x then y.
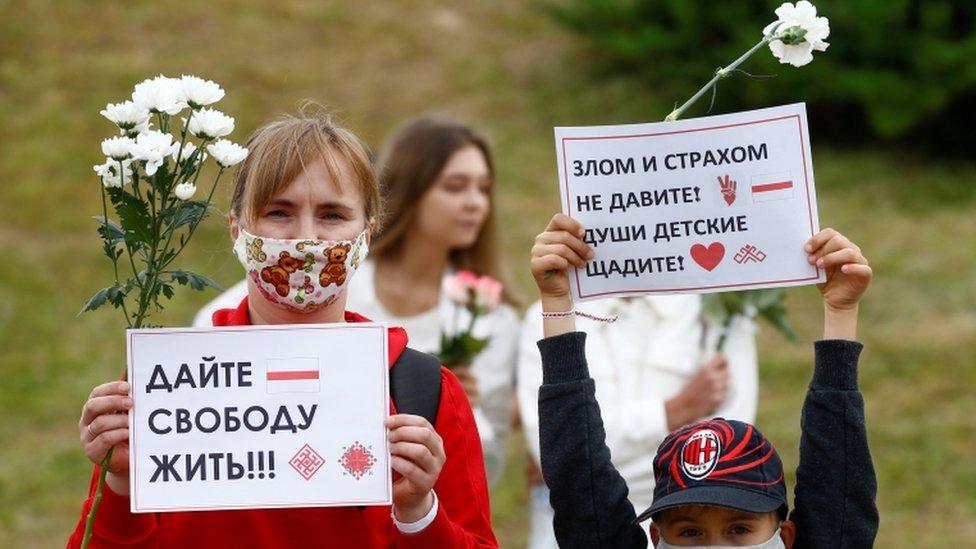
{"type": "Point", "coordinates": [488, 293]}
{"type": "Point", "coordinates": [457, 287]}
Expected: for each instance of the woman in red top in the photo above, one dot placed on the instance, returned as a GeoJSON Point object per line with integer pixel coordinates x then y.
{"type": "Point", "coordinates": [307, 179]}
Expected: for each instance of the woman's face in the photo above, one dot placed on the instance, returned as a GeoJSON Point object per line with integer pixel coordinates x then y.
{"type": "Point", "coordinates": [455, 208]}
{"type": "Point", "coordinates": [313, 207]}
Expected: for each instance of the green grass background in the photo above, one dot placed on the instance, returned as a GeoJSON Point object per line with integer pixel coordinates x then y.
{"type": "Point", "coordinates": [505, 67]}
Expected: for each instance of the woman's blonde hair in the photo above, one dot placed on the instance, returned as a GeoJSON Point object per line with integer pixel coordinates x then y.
{"type": "Point", "coordinates": [410, 161]}
{"type": "Point", "coordinates": [279, 151]}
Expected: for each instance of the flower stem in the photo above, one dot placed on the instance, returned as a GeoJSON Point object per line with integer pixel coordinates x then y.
{"type": "Point", "coordinates": [722, 73]}
{"type": "Point", "coordinates": [115, 260]}
{"type": "Point", "coordinates": [97, 500]}
{"type": "Point", "coordinates": [179, 154]}
{"type": "Point", "coordinates": [720, 346]}
{"type": "Point", "coordinates": [193, 226]}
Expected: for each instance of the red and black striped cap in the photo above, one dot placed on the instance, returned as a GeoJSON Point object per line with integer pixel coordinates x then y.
{"type": "Point", "coordinates": [719, 462]}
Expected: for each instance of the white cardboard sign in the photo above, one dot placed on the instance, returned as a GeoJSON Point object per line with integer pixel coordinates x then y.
{"type": "Point", "coordinates": [258, 417]}
{"type": "Point", "coordinates": [712, 204]}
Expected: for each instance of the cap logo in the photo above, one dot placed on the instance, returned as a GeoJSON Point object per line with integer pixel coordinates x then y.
{"type": "Point", "coordinates": [700, 454]}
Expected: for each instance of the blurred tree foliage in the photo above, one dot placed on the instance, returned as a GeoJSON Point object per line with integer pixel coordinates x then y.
{"type": "Point", "coordinates": [896, 69]}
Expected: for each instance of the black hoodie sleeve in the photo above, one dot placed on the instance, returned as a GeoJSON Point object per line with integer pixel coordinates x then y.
{"type": "Point", "coordinates": [587, 493]}
{"type": "Point", "coordinates": [835, 482]}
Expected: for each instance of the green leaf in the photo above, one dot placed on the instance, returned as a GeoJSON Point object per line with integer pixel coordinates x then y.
{"type": "Point", "coordinates": [134, 217]}
{"type": "Point", "coordinates": [116, 296]}
{"type": "Point", "coordinates": [474, 346]}
{"type": "Point", "coordinates": [191, 212]}
{"type": "Point", "coordinates": [776, 315]}
{"type": "Point", "coordinates": [713, 309]}
{"type": "Point", "coordinates": [109, 230]}
{"type": "Point", "coordinates": [762, 299]}
{"type": "Point", "coordinates": [196, 281]}
{"type": "Point", "coordinates": [99, 299]}
{"type": "Point", "coordinates": [460, 349]}
{"type": "Point", "coordinates": [768, 304]}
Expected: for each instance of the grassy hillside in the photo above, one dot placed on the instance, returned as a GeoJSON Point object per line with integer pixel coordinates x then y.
{"type": "Point", "coordinates": [503, 66]}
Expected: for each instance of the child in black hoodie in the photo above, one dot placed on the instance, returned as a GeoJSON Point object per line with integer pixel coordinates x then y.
{"type": "Point", "coordinates": [719, 483]}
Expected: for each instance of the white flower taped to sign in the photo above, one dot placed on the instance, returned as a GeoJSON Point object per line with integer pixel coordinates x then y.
{"type": "Point", "coordinates": [801, 33]}
{"type": "Point", "coordinates": [793, 37]}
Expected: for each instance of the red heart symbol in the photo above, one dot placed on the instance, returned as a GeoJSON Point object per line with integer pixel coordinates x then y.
{"type": "Point", "coordinates": [709, 257]}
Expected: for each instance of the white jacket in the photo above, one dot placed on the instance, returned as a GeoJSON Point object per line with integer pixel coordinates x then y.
{"type": "Point", "coordinates": [639, 362]}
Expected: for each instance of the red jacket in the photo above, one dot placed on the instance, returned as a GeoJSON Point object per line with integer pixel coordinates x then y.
{"type": "Point", "coordinates": [463, 518]}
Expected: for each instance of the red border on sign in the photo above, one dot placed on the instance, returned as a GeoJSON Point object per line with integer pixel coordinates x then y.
{"type": "Point", "coordinates": [384, 351]}
{"type": "Point", "coordinates": [806, 179]}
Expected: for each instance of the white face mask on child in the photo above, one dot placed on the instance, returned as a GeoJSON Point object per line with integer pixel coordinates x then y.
{"type": "Point", "coordinates": [300, 275]}
{"type": "Point", "coordinates": [775, 542]}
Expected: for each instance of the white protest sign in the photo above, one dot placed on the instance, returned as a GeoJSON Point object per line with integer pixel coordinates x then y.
{"type": "Point", "coordinates": [712, 204]}
{"type": "Point", "coordinates": [258, 417]}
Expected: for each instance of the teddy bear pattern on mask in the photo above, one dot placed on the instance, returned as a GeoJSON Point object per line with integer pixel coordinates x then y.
{"type": "Point", "coordinates": [255, 252]}
{"type": "Point", "coordinates": [334, 271]}
{"type": "Point", "coordinates": [277, 275]}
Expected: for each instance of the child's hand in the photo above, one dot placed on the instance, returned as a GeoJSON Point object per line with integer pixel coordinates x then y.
{"type": "Point", "coordinates": [848, 273]}
{"type": "Point", "coordinates": [555, 249]}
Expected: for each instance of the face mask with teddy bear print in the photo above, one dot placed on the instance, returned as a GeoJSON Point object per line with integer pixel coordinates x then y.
{"type": "Point", "coordinates": [300, 275]}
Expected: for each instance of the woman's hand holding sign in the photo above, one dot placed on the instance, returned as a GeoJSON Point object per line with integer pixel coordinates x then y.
{"type": "Point", "coordinates": [417, 454]}
{"type": "Point", "coordinates": [104, 423]}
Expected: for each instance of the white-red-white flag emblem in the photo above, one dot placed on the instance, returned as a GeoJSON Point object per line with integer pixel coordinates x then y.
{"type": "Point", "coordinates": [293, 375]}
{"type": "Point", "coordinates": [772, 186]}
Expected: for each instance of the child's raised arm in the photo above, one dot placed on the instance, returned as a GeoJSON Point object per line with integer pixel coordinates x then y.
{"type": "Point", "coordinates": [836, 487]}
{"type": "Point", "coordinates": [848, 277]}
{"type": "Point", "coordinates": [555, 249]}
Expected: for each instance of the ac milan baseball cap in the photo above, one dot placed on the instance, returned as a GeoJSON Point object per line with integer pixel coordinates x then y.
{"type": "Point", "coordinates": [725, 463]}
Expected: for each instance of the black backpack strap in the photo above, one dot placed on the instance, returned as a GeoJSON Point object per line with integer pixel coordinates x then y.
{"type": "Point", "coordinates": [415, 384]}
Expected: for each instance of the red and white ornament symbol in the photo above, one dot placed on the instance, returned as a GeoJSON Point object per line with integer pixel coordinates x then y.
{"type": "Point", "coordinates": [357, 460]}
{"type": "Point", "coordinates": [700, 454]}
{"type": "Point", "coordinates": [307, 462]}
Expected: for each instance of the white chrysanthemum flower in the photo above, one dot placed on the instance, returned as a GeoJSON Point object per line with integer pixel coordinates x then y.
{"type": "Point", "coordinates": [199, 92]}
{"type": "Point", "coordinates": [226, 153]}
{"type": "Point", "coordinates": [210, 124]}
{"type": "Point", "coordinates": [188, 150]}
{"type": "Point", "coordinates": [117, 148]}
{"type": "Point", "coordinates": [141, 128]}
{"type": "Point", "coordinates": [799, 34]}
{"type": "Point", "coordinates": [127, 115]}
{"type": "Point", "coordinates": [160, 95]}
{"type": "Point", "coordinates": [153, 147]}
{"type": "Point", "coordinates": [109, 172]}
{"type": "Point", "coordinates": [185, 191]}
